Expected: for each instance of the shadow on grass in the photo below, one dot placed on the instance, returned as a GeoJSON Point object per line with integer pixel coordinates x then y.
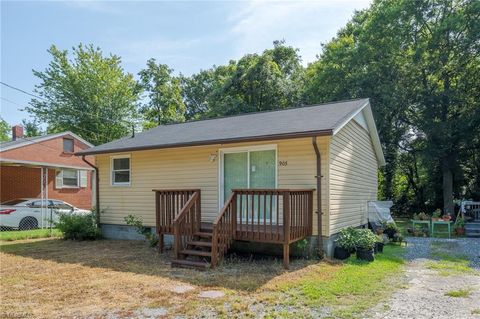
{"type": "Point", "coordinates": [236, 272]}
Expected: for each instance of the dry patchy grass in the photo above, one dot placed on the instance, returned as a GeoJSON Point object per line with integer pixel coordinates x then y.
{"type": "Point", "coordinates": [58, 278]}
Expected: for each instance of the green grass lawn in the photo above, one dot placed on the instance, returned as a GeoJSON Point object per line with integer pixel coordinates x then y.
{"type": "Point", "coordinates": [354, 288]}
{"type": "Point", "coordinates": [29, 234]}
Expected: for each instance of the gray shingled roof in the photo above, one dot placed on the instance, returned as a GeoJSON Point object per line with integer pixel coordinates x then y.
{"type": "Point", "coordinates": [20, 141]}
{"type": "Point", "coordinates": [312, 120]}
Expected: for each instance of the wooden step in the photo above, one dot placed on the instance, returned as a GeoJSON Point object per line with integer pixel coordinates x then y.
{"type": "Point", "coordinates": [192, 252]}
{"type": "Point", "coordinates": [200, 243]}
{"type": "Point", "coordinates": [203, 234]}
{"type": "Point", "coordinates": [190, 264]}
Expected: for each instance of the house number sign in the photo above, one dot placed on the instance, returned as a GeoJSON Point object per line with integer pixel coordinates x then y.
{"type": "Point", "coordinates": [282, 163]}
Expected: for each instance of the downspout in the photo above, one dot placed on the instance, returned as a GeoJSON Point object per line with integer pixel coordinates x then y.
{"type": "Point", "coordinates": [97, 190]}
{"type": "Point", "coordinates": [318, 176]}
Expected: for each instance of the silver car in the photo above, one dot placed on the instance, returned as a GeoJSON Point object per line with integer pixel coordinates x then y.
{"type": "Point", "coordinates": [31, 213]}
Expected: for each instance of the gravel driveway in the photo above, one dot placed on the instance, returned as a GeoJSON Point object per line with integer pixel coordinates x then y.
{"type": "Point", "coordinates": [428, 285]}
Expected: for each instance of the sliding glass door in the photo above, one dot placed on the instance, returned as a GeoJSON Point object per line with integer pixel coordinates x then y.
{"type": "Point", "coordinates": [250, 169]}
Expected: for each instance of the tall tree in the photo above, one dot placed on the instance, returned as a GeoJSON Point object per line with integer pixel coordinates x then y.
{"type": "Point", "coordinates": [445, 68]}
{"type": "Point", "coordinates": [417, 61]}
{"type": "Point", "coordinates": [89, 94]}
{"type": "Point", "coordinates": [256, 82]}
{"type": "Point", "coordinates": [201, 90]}
{"type": "Point", "coordinates": [165, 104]}
{"type": "Point", "coordinates": [4, 130]}
{"type": "Point", "coordinates": [32, 128]}
{"type": "Point", "coordinates": [272, 80]}
{"type": "Point", "coordinates": [364, 60]}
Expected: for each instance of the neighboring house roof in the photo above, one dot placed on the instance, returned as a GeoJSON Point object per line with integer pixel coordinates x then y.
{"type": "Point", "coordinates": [322, 119]}
{"type": "Point", "coordinates": [24, 141]}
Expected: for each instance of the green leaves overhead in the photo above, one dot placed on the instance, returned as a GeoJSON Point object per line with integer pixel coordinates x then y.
{"type": "Point", "coordinates": [89, 95]}
{"type": "Point", "coordinates": [165, 104]}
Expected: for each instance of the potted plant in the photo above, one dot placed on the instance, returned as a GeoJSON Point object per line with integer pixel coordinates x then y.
{"type": "Point", "coordinates": [447, 217]}
{"type": "Point", "coordinates": [379, 244]}
{"type": "Point", "coordinates": [460, 226]}
{"type": "Point", "coordinates": [391, 229]}
{"type": "Point", "coordinates": [365, 244]}
{"type": "Point", "coordinates": [436, 214]}
{"type": "Point", "coordinates": [345, 244]}
{"type": "Point", "coordinates": [398, 238]}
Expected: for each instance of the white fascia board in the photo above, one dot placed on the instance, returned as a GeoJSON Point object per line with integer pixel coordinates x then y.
{"type": "Point", "coordinates": [14, 162]}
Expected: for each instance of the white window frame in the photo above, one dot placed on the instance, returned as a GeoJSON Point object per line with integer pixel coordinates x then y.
{"type": "Point", "coordinates": [242, 149]}
{"type": "Point", "coordinates": [112, 181]}
{"type": "Point", "coordinates": [60, 171]}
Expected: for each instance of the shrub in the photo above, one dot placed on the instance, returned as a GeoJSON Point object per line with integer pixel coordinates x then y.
{"type": "Point", "coordinates": [79, 226]}
{"type": "Point", "coordinates": [146, 232]}
{"type": "Point", "coordinates": [365, 239]}
{"type": "Point", "coordinates": [346, 239]}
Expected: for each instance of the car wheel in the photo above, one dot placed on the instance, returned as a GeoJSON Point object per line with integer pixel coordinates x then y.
{"type": "Point", "coordinates": [28, 223]}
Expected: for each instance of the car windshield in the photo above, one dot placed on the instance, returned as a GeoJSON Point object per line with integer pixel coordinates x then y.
{"type": "Point", "coordinates": [14, 202]}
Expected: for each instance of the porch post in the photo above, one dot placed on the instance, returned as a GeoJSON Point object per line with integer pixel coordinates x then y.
{"type": "Point", "coordinates": [286, 229]}
{"type": "Point", "coordinates": [157, 217]}
{"type": "Point", "coordinates": [234, 215]}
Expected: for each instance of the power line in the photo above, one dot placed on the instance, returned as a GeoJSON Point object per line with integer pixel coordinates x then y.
{"type": "Point", "coordinates": [76, 112]}
{"type": "Point", "coordinates": [20, 90]}
{"type": "Point", "coordinates": [9, 101]}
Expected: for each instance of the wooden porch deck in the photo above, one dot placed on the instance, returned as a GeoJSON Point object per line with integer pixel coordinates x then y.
{"type": "Point", "coordinates": [273, 234]}
{"type": "Point", "coordinates": [178, 213]}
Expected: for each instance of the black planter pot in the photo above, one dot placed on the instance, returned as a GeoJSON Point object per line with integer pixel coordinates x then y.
{"type": "Point", "coordinates": [378, 247]}
{"type": "Point", "coordinates": [390, 233]}
{"type": "Point", "coordinates": [341, 253]}
{"type": "Point", "coordinates": [365, 254]}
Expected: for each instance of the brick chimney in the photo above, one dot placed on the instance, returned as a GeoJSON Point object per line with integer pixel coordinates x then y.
{"type": "Point", "coordinates": [17, 132]}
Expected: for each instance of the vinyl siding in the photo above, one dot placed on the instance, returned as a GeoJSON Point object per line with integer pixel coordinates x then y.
{"type": "Point", "coordinates": [353, 177]}
{"type": "Point", "coordinates": [190, 167]}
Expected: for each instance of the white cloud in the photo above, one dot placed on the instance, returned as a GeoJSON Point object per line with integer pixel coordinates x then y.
{"type": "Point", "coordinates": [303, 24]}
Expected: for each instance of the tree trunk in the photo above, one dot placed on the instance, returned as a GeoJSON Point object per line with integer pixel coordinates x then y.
{"type": "Point", "coordinates": [447, 187]}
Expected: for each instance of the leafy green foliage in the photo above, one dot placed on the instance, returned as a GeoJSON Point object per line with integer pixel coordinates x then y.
{"type": "Point", "coordinates": [417, 62]}
{"type": "Point", "coordinates": [78, 226]}
{"type": "Point", "coordinates": [365, 239]}
{"type": "Point", "coordinates": [165, 104]}
{"type": "Point", "coordinates": [347, 238]}
{"type": "Point", "coordinates": [4, 130]}
{"type": "Point", "coordinates": [257, 82]}
{"type": "Point", "coordinates": [137, 222]}
{"type": "Point", "coordinates": [89, 95]}
{"type": "Point", "coordinates": [31, 128]}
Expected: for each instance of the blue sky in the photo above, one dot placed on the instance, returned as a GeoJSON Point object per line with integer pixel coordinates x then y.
{"type": "Point", "coordinates": [186, 35]}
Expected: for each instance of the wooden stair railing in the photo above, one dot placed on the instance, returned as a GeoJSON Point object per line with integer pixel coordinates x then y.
{"type": "Point", "coordinates": [168, 204]}
{"type": "Point", "coordinates": [186, 224]}
{"type": "Point", "coordinates": [224, 228]}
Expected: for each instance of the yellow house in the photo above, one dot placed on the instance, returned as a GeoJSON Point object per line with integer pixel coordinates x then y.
{"type": "Point", "coordinates": [256, 177]}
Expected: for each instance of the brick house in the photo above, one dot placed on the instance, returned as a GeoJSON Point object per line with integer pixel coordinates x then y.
{"type": "Point", "coordinates": [46, 167]}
